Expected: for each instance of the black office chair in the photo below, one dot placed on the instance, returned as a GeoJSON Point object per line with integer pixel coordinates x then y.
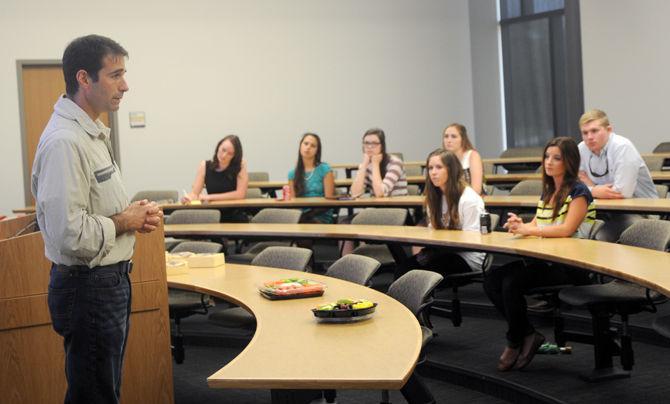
{"type": "Point", "coordinates": [166, 196]}
{"type": "Point", "coordinates": [452, 309]}
{"type": "Point", "coordinates": [663, 147]}
{"type": "Point", "coordinates": [521, 152]}
{"type": "Point", "coordinates": [253, 193]}
{"type": "Point", "coordinates": [182, 303]}
{"type": "Point", "coordinates": [617, 297]}
{"type": "Point", "coordinates": [354, 268]}
{"type": "Point", "coordinates": [662, 325]}
{"type": "Point", "coordinates": [189, 216]}
{"type": "Point", "coordinates": [258, 176]}
{"type": "Point", "coordinates": [528, 188]}
{"type": "Point", "coordinates": [382, 217]}
{"type": "Point", "coordinates": [654, 163]}
{"type": "Point", "coordinates": [548, 296]}
{"type": "Point", "coordinates": [267, 215]}
{"type": "Point", "coordinates": [414, 290]}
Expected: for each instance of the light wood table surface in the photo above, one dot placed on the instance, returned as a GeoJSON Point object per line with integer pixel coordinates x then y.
{"type": "Point", "coordinates": [641, 266]}
{"type": "Point", "coordinates": [660, 177]}
{"type": "Point", "coordinates": [290, 350]}
{"type": "Point", "coordinates": [633, 205]}
{"type": "Point", "coordinates": [495, 161]}
{"type": "Point", "coordinates": [637, 205]}
{"type": "Point", "coordinates": [342, 182]}
{"type": "Point", "coordinates": [410, 201]}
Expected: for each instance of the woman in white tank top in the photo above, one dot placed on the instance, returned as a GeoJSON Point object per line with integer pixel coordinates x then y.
{"type": "Point", "coordinates": [455, 139]}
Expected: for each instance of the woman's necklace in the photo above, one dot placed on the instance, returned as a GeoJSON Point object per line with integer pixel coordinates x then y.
{"type": "Point", "coordinates": [311, 173]}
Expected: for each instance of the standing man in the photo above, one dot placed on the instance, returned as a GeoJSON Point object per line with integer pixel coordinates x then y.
{"type": "Point", "coordinates": [86, 221]}
{"type": "Point", "coordinates": [610, 165]}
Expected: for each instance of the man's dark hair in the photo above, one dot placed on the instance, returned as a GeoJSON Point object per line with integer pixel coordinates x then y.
{"type": "Point", "coordinates": [87, 53]}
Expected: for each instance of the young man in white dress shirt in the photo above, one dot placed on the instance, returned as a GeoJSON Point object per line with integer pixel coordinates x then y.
{"type": "Point", "coordinates": [612, 168]}
{"type": "Point", "coordinates": [610, 164]}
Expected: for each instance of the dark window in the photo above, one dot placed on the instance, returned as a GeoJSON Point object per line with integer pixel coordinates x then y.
{"type": "Point", "coordinates": [541, 49]}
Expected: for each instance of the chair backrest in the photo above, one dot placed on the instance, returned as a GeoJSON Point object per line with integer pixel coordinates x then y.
{"type": "Point", "coordinates": [654, 163]}
{"type": "Point", "coordinates": [491, 190]}
{"type": "Point", "coordinates": [354, 268]}
{"type": "Point", "coordinates": [489, 168]}
{"type": "Point", "coordinates": [522, 152]}
{"type": "Point", "coordinates": [662, 190]}
{"type": "Point", "coordinates": [495, 219]}
{"type": "Point", "coordinates": [199, 247]}
{"type": "Point", "coordinates": [597, 225]}
{"type": "Point", "coordinates": [413, 170]}
{"type": "Point", "coordinates": [414, 288]}
{"type": "Point", "coordinates": [258, 176]}
{"type": "Point", "coordinates": [295, 258]}
{"type": "Point", "coordinates": [413, 189]}
{"type": "Point", "coordinates": [164, 196]}
{"type": "Point", "coordinates": [488, 258]}
{"type": "Point", "coordinates": [527, 187]}
{"type": "Point", "coordinates": [647, 233]}
{"type": "Point", "coordinates": [273, 215]}
{"type": "Point", "coordinates": [398, 155]}
{"type": "Point", "coordinates": [381, 216]}
{"type": "Point", "coordinates": [662, 148]}
{"type": "Point", "coordinates": [253, 193]}
{"type": "Point", "coordinates": [194, 216]}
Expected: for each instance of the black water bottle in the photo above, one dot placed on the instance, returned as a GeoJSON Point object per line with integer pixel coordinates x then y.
{"type": "Point", "coordinates": [485, 223]}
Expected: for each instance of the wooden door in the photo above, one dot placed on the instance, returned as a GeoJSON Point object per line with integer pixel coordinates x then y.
{"type": "Point", "coordinates": [41, 85]}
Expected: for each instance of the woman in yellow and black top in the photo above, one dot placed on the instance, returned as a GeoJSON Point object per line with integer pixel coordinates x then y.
{"type": "Point", "coordinates": [566, 209]}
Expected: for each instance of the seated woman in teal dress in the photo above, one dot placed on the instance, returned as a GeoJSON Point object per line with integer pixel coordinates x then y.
{"type": "Point", "coordinates": [312, 177]}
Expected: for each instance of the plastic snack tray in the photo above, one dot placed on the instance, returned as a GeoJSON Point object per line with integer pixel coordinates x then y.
{"type": "Point", "coordinates": [292, 288]}
{"type": "Point", "coordinates": [344, 316]}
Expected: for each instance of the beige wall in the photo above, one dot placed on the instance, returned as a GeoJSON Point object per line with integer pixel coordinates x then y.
{"type": "Point", "coordinates": [263, 69]}
{"type": "Point", "coordinates": [269, 71]}
{"type": "Point", "coordinates": [626, 58]}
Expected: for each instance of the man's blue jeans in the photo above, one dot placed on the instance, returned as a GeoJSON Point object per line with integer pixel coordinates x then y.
{"type": "Point", "coordinates": [90, 309]}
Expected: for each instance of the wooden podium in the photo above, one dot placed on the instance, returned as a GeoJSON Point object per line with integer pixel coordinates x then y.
{"type": "Point", "coordinates": [31, 353]}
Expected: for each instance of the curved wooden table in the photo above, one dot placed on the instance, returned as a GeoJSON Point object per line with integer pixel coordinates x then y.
{"type": "Point", "coordinates": [637, 205]}
{"type": "Point", "coordinates": [342, 182]}
{"type": "Point", "coordinates": [290, 350]}
{"type": "Point", "coordinates": [659, 177]}
{"type": "Point", "coordinates": [642, 266]}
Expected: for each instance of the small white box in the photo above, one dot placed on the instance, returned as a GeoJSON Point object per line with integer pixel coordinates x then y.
{"type": "Point", "coordinates": [176, 267]}
{"type": "Point", "coordinates": [206, 260]}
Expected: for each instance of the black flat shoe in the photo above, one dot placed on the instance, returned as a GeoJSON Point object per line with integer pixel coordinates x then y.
{"type": "Point", "coordinates": [530, 345]}
{"type": "Point", "coordinates": [507, 359]}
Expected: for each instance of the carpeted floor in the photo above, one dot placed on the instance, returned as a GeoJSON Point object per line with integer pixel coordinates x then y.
{"type": "Point", "coordinates": [474, 347]}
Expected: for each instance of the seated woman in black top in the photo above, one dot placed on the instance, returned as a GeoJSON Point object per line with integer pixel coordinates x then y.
{"type": "Point", "coordinates": [224, 176]}
{"type": "Point", "coordinates": [566, 209]}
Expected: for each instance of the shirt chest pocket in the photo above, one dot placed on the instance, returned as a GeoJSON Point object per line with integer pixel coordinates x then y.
{"type": "Point", "coordinates": [104, 174]}
{"type": "Point", "coordinates": [107, 194]}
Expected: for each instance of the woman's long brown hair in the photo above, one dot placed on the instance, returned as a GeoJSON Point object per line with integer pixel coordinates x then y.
{"type": "Point", "coordinates": [235, 164]}
{"type": "Point", "coordinates": [299, 173]}
{"type": "Point", "coordinates": [382, 140]}
{"type": "Point", "coordinates": [455, 186]}
{"type": "Point", "coordinates": [570, 156]}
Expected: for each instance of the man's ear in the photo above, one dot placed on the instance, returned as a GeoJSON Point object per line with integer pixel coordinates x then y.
{"type": "Point", "coordinates": [609, 128]}
{"type": "Point", "coordinates": [83, 78]}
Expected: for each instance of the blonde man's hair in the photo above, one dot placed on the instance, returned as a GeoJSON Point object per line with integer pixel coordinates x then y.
{"type": "Point", "coordinates": [593, 115]}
